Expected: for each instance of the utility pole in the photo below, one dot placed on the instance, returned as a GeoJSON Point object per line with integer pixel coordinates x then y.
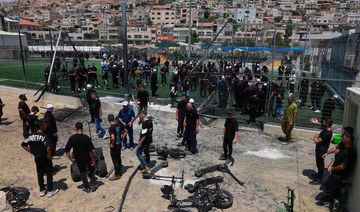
{"type": "Point", "coordinates": [125, 49]}
{"type": "Point", "coordinates": [190, 25]}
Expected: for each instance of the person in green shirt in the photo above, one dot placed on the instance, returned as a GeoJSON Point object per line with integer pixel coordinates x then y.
{"type": "Point", "coordinates": [288, 119]}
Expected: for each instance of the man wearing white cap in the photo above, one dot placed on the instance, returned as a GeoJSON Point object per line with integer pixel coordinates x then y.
{"type": "Point", "coordinates": [126, 117]}
{"type": "Point", "coordinates": [328, 107]}
{"type": "Point", "coordinates": [51, 130]}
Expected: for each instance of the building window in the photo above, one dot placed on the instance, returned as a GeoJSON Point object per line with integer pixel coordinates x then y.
{"type": "Point", "coordinates": [137, 36]}
{"type": "Point", "coordinates": [146, 36]}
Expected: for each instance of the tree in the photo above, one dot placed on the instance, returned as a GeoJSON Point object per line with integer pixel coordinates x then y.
{"type": "Point", "coordinates": [288, 32]}
{"type": "Point", "coordinates": [194, 38]}
{"type": "Point", "coordinates": [248, 42]}
{"type": "Point", "coordinates": [96, 32]}
{"type": "Point", "coordinates": [278, 19]}
{"type": "Point", "coordinates": [206, 14]}
{"type": "Point", "coordinates": [279, 41]}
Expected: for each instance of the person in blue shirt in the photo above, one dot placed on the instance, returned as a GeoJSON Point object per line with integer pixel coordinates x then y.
{"type": "Point", "coordinates": [126, 117]}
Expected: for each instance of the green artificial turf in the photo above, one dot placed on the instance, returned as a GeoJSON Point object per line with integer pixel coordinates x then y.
{"type": "Point", "coordinates": [11, 74]}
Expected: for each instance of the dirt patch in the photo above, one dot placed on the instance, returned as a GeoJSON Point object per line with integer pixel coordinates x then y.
{"type": "Point", "coordinates": [265, 165]}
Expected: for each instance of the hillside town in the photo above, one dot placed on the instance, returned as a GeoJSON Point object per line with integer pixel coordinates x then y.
{"type": "Point", "coordinates": [153, 22]}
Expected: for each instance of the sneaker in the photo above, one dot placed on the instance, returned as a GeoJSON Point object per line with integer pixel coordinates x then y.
{"type": "Point", "coordinates": [42, 193]}
{"type": "Point", "coordinates": [317, 111]}
{"type": "Point", "coordinates": [145, 169]}
{"type": "Point", "coordinates": [323, 204]}
{"type": "Point", "coordinates": [180, 144]}
{"type": "Point", "coordinates": [315, 175]}
{"type": "Point", "coordinates": [106, 137]}
{"type": "Point", "coordinates": [222, 157]}
{"type": "Point", "coordinates": [52, 193]}
{"type": "Point", "coordinates": [285, 143]}
{"type": "Point", "coordinates": [115, 177]}
{"type": "Point", "coordinates": [86, 190]}
{"type": "Point", "coordinates": [315, 182]}
{"type": "Point", "coordinates": [123, 148]}
{"type": "Point", "coordinates": [131, 148]}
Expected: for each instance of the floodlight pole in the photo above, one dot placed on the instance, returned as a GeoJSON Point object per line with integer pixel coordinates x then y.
{"type": "Point", "coordinates": [125, 49]}
{"type": "Point", "coordinates": [53, 58]}
{"type": "Point", "coordinates": [22, 56]}
{"type": "Point", "coordinates": [190, 26]}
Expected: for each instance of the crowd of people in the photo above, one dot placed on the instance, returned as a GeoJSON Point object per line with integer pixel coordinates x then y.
{"type": "Point", "coordinates": [254, 95]}
{"type": "Point", "coordinates": [253, 92]}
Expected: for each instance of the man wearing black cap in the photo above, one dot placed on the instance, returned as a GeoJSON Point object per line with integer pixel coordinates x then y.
{"type": "Point", "coordinates": [83, 155]}
{"type": "Point", "coordinates": [24, 110]}
{"type": "Point", "coordinates": [38, 145]}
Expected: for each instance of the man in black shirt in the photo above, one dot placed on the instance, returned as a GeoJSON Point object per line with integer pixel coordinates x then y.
{"type": "Point", "coordinates": [117, 134]}
{"type": "Point", "coordinates": [336, 149]}
{"type": "Point", "coordinates": [191, 123]}
{"type": "Point", "coordinates": [144, 142]}
{"type": "Point", "coordinates": [304, 88]}
{"type": "Point", "coordinates": [89, 90]}
{"type": "Point", "coordinates": [329, 107]}
{"type": "Point", "coordinates": [322, 141]}
{"type": "Point", "coordinates": [32, 118]}
{"type": "Point", "coordinates": [96, 107]}
{"type": "Point", "coordinates": [340, 168]}
{"type": "Point", "coordinates": [180, 115]}
{"type": "Point", "coordinates": [154, 85]}
{"type": "Point", "coordinates": [229, 136]}
{"type": "Point", "coordinates": [143, 99]}
{"type": "Point", "coordinates": [23, 112]}
{"type": "Point", "coordinates": [254, 104]}
{"type": "Point", "coordinates": [280, 94]}
{"type": "Point", "coordinates": [38, 145]}
{"type": "Point", "coordinates": [51, 130]}
{"type": "Point", "coordinates": [83, 155]}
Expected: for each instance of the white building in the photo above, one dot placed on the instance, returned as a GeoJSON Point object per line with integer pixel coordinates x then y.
{"type": "Point", "coordinates": [244, 15]}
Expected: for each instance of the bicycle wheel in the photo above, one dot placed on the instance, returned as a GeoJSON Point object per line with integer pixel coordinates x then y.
{"type": "Point", "coordinates": [223, 199]}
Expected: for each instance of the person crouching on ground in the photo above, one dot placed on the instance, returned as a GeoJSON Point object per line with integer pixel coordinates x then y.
{"type": "Point", "coordinates": [144, 142]}
{"type": "Point", "coordinates": [117, 134]}
{"type": "Point", "coordinates": [229, 136]}
{"type": "Point", "coordinates": [39, 145]}
{"type": "Point", "coordinates": [288, 119]}
{"type": "Point", "coordinates": [83, 156]}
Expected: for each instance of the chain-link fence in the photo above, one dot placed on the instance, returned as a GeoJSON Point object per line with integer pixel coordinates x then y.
{"type": "Point", "coordinates": [253, 73]}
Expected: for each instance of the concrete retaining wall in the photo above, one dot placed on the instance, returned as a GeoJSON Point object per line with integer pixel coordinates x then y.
{"type": "Point", "coordinates": [55, 99]}
{"type": "Point", "coordinates": [114, 104]}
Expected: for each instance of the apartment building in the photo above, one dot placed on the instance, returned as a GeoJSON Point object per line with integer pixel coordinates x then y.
{"type": "Point", "coordinates": [162, 15]}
